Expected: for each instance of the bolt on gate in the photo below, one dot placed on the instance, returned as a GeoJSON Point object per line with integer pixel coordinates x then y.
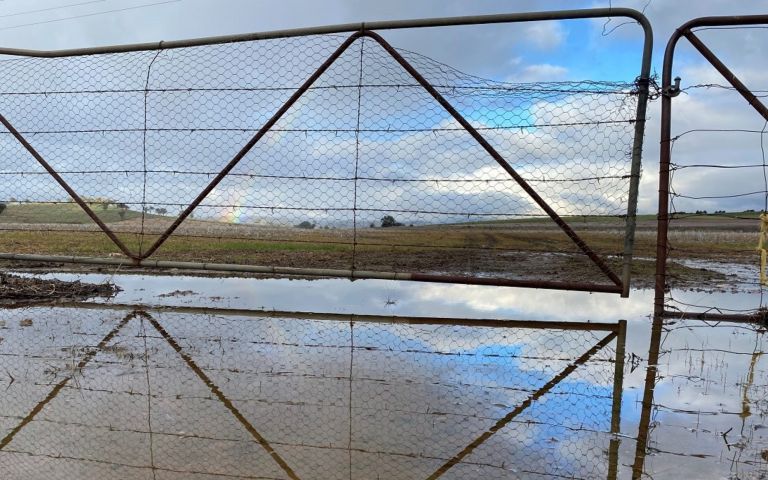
{"type": "Point", "coordinates": [322, 152]}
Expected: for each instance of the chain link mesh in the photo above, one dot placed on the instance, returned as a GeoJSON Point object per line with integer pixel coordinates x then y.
{"type": "Point", "coordinates": [366, 170]}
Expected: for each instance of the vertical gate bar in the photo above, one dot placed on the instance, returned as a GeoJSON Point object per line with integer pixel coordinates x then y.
{"type": "Point", "coordinates": [498, 158]}
{"type": "Point", "coordinates": [662, 231]}
{"type": "Point", "coordinates": [665, 154]}
{"type": "Point", "coordinates": [644, 84]}
{"type": "Point", "coordinates": [646, 409]}
{"type": "Point", "coordinates": [618, 388]}
{"type": "Point", "coordinates": [84, 206]}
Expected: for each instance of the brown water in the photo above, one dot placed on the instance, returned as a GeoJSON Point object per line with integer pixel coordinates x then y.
{"type": "Point", "coordinates": [118, 391]}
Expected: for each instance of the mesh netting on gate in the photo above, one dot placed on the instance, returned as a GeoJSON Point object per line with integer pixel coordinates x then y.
{"type": "Point", "coordinates": [93, 394]}
{"type": "Point", "coordinates": [365, 170]}
{"type": "Point", "coordinates": [718, 193]}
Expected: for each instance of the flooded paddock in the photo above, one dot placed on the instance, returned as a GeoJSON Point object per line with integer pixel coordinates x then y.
{"type": "Point", "coordinates": [203, 378]}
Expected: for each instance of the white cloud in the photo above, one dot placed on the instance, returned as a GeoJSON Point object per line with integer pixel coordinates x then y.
{"type": "Point", "coordinates": [545, 35]}
{"type": "Point", "coordinates": [543, 72]}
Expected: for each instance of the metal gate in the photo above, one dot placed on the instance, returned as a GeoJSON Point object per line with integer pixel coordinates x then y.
{"type": "Point", "coordinates": [670, 89]}
{"type": "Point", "coordinates": [325, 136]}
{"type": "Point", "coordinates": [668, 284]}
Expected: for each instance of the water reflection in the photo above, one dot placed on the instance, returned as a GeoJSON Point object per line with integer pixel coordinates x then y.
{"type": "Point", "coordinates": [171, 393]}
{"type": "Point", "coordinates": [347, 397]}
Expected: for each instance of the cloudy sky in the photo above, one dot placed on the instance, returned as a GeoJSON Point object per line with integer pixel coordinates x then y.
{"type": "Point", "coordinates": [547, 51]}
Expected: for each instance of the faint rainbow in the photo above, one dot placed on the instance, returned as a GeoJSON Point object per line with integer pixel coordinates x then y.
{"type": "Point", "coordinates": [238, 213]}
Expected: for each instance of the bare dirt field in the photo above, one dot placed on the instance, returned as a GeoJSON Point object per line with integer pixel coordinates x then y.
{"type": "Point", "coordinates": [533, 249]}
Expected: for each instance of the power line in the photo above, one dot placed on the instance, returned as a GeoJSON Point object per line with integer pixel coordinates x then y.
{"type": "Point", "coordinates": [51, 8]}
{"type": "Point", "coordinates": [136, 7]}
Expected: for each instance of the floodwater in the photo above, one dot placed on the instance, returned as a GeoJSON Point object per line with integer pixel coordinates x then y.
{"type": "Point", "coordinates": [210, 378]}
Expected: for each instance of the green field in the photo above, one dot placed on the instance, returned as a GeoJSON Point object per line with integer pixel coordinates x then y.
{"type": "Point", "coordinates": [66, 213]}
{"type": "Point", "coordinates": [526, 248]}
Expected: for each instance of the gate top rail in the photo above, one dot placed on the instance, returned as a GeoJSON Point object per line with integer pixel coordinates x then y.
{"type": "Point", "coordinates": [363, 26]}
{"type": "Point", "coordinates": [687, 27]}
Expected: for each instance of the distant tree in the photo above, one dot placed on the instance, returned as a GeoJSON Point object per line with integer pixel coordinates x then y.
{"type": "Point", "coordinates": [389, 221]}
{"type": "Point", "coordinates": [122, 209]}
{"type": "Point", "coordinates": [372, 225]}
{"type": "Point", "coordinates": [306, 224]}
{"type": "Point", "coordinates": [2, 207]}
{"type": "Point", "coordinates": [161, 211]}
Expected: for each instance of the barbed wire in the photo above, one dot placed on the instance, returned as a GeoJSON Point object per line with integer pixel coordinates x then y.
{"type": "Point", "coordinates": [714, 225]}
{"type": "Point", "coordinates": [365, 145]}
{"type": "Point", "coordinates": [188, 381]}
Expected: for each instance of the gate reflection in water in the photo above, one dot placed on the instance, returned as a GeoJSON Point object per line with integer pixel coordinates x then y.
{"type": "Point", "coordinates": [110, 392]}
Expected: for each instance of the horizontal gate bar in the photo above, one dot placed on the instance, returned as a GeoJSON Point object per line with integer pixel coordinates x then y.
{"type": "Point", "coordinates": [353, 317]}
{"type": "Point", "coordinates": [354, 27]}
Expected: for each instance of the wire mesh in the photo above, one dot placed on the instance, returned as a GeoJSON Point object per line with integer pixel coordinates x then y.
{"type": "Point", "coordinates": [107, 394]}
{"type": "Point", "coordinates": [366, 170]}
{"type": "Point", "coordinates": [718, 190]}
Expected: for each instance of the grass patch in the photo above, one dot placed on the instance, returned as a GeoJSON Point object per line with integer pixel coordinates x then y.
{"type": "Point", "coordinates": [65, 213]}
{"type": "Point", "coordinates": [96, 243]}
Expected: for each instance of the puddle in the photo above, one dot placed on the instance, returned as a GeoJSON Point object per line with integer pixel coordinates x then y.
{"type": "Point", "coordinates": [180, 394]}
{"type": "Point", "coordinates": [738, 275]}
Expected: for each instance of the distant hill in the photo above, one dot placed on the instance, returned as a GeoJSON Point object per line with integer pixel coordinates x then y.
{"type": "Point", "coordinates": [70, 213]}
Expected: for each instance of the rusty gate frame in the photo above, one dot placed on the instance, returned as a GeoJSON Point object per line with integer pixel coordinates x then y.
{"type": "Point", "coordinates": [617, 283]}
{"type": "Point", "coordinates": [670, 90]}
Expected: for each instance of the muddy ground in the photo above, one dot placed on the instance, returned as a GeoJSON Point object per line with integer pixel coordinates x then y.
{"type": "Point", "coordinates": [521, 265]}
{"type": "Point", "coordinates": [721, 249]}
{"type": "Point", "coordinates": [16, 289]}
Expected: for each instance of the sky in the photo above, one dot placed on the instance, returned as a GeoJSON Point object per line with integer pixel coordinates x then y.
{"type": "Point", "coordinates": [544, 51]}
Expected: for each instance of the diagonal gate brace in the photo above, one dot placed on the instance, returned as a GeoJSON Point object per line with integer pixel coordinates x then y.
{"type": "Point", "coordinates": [561, 223]}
